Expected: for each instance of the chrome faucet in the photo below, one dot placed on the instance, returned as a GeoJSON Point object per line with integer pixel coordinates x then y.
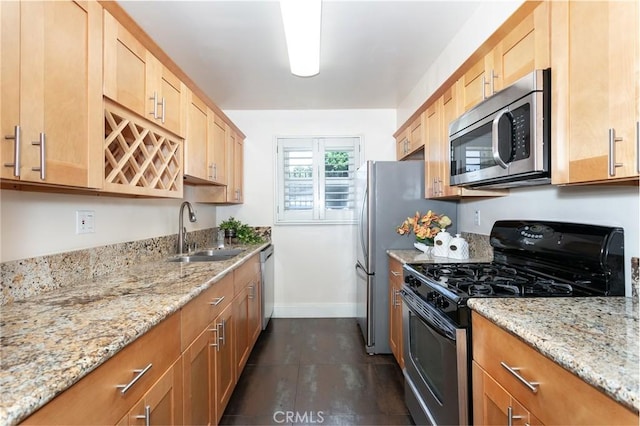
{"type": "Point", "coordinates": [182, 231]}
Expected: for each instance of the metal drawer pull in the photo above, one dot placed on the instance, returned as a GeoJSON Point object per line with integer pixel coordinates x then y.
{"type": "Point", "coordinates": [396, 273]}
{"type": "Point", "coordinates": [638, 146]}
{"type": "Point", "coordinates": [510, 416]}
{"type": "Point", "coordinates": [217, 301]}
{"type": "Point", "coordinates": [252, 293]}
{"type": "Point", "coordinates": [154, 98]}
{"type": "Point", "coordinates": [147, 415]}
{"type": "Point", "coordinates": [612, 152]}
{"type": "Point", "coordinates": [139, 373]}
{"type": "Point", "coordinates": [16, 151]}
{"type": "Point", "coordinates": [41, 143]}
{"type": "Point", "coordinates": [396, 293]}
{"type": "Point", "coordinates": [215, 345]}
{"type": "Point", "coordinates": [223, 338]}
{"type": "Point", "coordinates": [533, 386]}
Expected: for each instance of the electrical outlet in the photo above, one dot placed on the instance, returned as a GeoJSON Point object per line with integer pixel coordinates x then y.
{"type": "Point", "coordinates": [476, 218]}
{"type": "Point", "coordinates": [85, 221]}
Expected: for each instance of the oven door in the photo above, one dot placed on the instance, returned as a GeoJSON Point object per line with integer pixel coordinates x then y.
{"type": "Point", "coordinates": [436, 365]}
{"type": "Point", "coordinates": [505, 143]}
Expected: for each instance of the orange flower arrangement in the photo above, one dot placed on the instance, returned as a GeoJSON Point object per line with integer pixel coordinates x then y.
{"type": "Point", "coordinates": [425, 227]}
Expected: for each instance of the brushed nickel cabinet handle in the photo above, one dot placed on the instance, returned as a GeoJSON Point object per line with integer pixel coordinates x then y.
{"type": "Point", "coordinates": [139, 373]}
{"type": "Point", "coordinates": [146, 416]}
{"type": "Point", "coordinates": [484, 91]}
{"type": "Point", "coordinates": [612, 152]}
{"type": "Point", "coordinates": [16, 150]}
{"type": "Point", "coordinates": [532, 386]}
{"type": "Point", "coordinates": [154, 98]}
{"type": "Point", "coordinates": [216, 301]}
{"type": "Point", "coordinates": [493, 82]}
{"type": "Point", "coordinates": [396, 273]}
{"type": "Point", "coordinates": [42, 144]}
{"type": "Point", "coordinates": [510, 416]}
{"type": "Point", "coordinates": [216, 344]}
{"type": "Point", "coordinates": [223, 338]}
{"type": "Point", "coordinates": [396, 293]}
{"type": "Point", "coordinates": [164, 106]}
{"type": "Point", "coordinates": [638, 146]}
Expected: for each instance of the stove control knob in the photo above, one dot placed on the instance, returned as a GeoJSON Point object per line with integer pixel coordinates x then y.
{"type": "Point", "coordinates": [444, 304]}
{"type": "Point", "coordinates": [431, 296]}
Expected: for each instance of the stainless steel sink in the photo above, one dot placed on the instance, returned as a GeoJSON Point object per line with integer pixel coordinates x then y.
{"type": "Point", "coordinates": [211, 255]}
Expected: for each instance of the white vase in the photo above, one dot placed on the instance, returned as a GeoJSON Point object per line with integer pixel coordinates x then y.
{"type": "Point", "coordinates": [423, 248]}
{"type": "Point", "coordinates": [441, 244]}
{"type": "Point", "coordinates": [458, 248]}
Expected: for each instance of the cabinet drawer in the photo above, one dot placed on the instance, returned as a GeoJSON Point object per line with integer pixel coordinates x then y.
{"type": "Point", "coordinates": [198, 313]}
{"type": "Point", "coordinates": [246, 273]}
{"type": "Point", "coordinates": [96, 399]}
{"type": "Point", "coordinates": [560, 397]}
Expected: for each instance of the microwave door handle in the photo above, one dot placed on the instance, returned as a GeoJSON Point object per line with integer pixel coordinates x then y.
{"type": "Point", "coordinates": [495, 140]}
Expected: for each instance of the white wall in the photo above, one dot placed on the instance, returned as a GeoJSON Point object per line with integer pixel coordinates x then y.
{"type": "Point", "coordinates": [37, 224]}
{"type": "Point", "coordinates": [314, 265]}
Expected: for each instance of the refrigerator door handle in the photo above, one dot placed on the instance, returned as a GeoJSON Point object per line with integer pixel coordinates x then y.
{"type": "Point", "coordinates": [363, 246]}
{"type": "Point", "coordinates": [361, 266]}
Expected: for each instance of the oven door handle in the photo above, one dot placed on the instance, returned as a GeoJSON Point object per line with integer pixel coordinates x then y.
{"type": "Point", "coordinates": [409, 304]}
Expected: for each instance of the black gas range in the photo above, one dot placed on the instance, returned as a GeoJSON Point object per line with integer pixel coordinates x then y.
{"type": "Point", "coordinates": [531, 259]}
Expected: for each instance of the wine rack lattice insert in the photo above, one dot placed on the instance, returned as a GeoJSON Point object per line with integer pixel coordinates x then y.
{"type": "Point", "coordinates": [139, 157]}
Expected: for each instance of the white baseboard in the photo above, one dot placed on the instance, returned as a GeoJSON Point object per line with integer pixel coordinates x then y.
{"type": "Point", "coordinates": [315, 310]}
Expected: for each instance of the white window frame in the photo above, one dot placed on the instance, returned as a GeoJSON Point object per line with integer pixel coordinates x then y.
{"type": "Point", "coordinates": [317, 215]}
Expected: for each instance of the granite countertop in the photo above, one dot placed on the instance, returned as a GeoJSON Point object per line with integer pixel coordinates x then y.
{"type": "Point", "coordinates": [597, 339]}
{"type": "Point", "coordinates": [416, 256]}
{"type": "Point", "coordinates": [53, 339]}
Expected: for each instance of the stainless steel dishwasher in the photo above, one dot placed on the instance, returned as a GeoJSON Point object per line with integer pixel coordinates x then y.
{"type": "Point", "coordinates": [266, 273]}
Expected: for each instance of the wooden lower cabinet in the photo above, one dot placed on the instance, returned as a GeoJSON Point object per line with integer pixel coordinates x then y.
{"type": "Point", "coordinates": [197, 377]}
{"type": "Point", "coordinates": [162, 404]}
{"type": "Point", "coordinates": [188, 365]}
{"type": "Point", "coordinates": [560, 397]}
{"type": "Point", "coordinates": [495, 406]}
{"type": "Point", "coordinates": [395, 310]}
{"type": "Point", "coordinates": [100, 397]}
{"type": "Point", "coordinates": [247, 310]}
{"type": "Point", "coordinates": [222, 363]}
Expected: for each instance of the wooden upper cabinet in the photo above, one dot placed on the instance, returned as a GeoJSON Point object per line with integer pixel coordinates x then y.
{"type": "Point", "coordinates": [196, 143]}
{"type": "Point", "coordinates": [137, 80]}
{"type": "Point", "coordinates": [523, 49]}
{"type": "Point", "coordinates": [435, 147]}
{"type": "Point", "coordinates": [595, 95]}
{"type": "Point", "coordinates": [171, 97]}
{"type": "Point", "coordinates": [218, 150]}
{"type": "Point", "coordinates": [235, 167]}
{"type": "Point", "coordinates": [402, 144]}
{"type": "Point", "coordinates": [411, 139]}
{"type": "Point", "coordinates": [51, 68]}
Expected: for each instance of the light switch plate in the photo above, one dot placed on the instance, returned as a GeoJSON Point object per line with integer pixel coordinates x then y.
{"type": "Point", "coordinates": [85, 221]}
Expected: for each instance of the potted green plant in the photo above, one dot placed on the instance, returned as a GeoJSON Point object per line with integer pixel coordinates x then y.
{"type": "Point", "coordinates": [245, 234]}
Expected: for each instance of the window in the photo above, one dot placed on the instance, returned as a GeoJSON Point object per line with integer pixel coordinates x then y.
{"type": "Point", "coordinates": [316, 179]}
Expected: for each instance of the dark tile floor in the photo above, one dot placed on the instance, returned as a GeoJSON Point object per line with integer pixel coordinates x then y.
{"type": "Point", "coordinates": [307, 371]}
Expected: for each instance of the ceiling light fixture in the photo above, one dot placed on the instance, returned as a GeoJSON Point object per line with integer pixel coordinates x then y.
{"type": "Point", "coordinates": [301, 20]}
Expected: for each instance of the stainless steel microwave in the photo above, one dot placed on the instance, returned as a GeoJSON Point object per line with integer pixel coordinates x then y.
{"type": "Point", "coordinates": [505, 140]}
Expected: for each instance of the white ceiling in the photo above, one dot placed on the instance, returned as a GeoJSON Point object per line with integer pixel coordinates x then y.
{"type": "Point", "coordinates": [372, 52]}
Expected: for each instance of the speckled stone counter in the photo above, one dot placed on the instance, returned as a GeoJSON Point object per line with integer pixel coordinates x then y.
{"type": "Point", "coordinates": [416, 256]}
{"type": "Point", "coordinates": [597, 339]}
{"type": "Point", "coordinates": [53, 339]}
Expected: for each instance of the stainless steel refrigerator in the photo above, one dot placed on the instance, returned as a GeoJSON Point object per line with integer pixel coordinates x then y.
{"type": "Point", "coordinates": [387, 193]}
